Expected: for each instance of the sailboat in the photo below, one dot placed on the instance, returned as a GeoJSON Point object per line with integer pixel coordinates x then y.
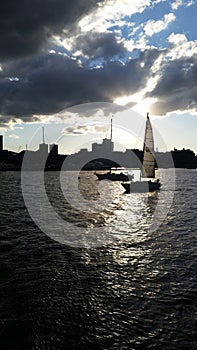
{"type": "Point", "coordinates": [114, 176]}
{"type": "Point", "coordinates": [148, 166]}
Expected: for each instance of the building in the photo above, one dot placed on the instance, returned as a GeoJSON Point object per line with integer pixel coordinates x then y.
{"type": "Point", "coordinates": [53, 150]}
{"type": "Point", "coordinates": [1, 143]}
{"type": "Point", "coordinates": [104, 149]}
{"type": "Point", "coordinates": [43, 151]}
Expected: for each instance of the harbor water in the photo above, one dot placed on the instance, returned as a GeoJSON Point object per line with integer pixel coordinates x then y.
{"type": "Point", "coordinates": [136, 291]}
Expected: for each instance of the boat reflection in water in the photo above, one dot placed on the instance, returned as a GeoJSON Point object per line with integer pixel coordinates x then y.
{"type": "Point", "coordinates": [142, 186]}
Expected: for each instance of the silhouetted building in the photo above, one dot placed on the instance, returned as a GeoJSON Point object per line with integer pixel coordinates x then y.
{"type": "Point", "coordinates": [1, 142]}
{"type": "Point", "coordinates": [184, 158]}
{"type": "Point", "coordinates": [103, 149]}
{"type": "Point", "coordinates": [53, 150]}
{"type": "Point", "coordinates": [43, 150]}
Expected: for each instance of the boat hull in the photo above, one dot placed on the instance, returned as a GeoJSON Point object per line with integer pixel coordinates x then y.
{"type": "Point", "coordinates": [141, 186]}
{"type": "Point", "coordinates": [114, 177]}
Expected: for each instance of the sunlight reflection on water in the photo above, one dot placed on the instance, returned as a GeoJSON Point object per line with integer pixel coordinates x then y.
{"type": "Point", "coordinates": [119, 216]}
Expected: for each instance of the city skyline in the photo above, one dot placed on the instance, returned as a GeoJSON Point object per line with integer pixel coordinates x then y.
{"type": "Point", "coordinates": [88, 146]}
{"type": "Point", "coordinates": [101, 156]}
{"type": "Point", "coordinates": [31, 135]}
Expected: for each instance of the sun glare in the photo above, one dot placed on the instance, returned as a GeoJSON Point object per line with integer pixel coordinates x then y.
{"type": "Point", "coordinates": [140, 104]}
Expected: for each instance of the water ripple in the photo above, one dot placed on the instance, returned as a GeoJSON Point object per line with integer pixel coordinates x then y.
{"type": "Point", "coordinates": [138, 293]}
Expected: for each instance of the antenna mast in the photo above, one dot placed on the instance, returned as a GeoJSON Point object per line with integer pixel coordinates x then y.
{"type": "Point", "coordinates": [43, 140]}
{"type": "Point", "coordinates": [111, 129]}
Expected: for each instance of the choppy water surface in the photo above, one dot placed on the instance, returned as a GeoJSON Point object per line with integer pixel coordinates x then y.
{"type": "Point", "coordinates": [138, 292]}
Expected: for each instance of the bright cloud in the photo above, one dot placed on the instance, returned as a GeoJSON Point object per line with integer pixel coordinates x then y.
{"type": "Point", "coordinates": [175, 5]}
{"type": "Point", "coordinates": [181, 47]}
{"type": "Point", "coordinates": [152, 27]}
{"type": "Point", "coordinates": [190, 3]}
{"type": "Point", "coordinates": [111, 12]}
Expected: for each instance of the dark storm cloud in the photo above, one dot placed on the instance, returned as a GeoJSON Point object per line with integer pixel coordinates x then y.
{"type": "Point", "coordinates": [26, 25]}
{"type": "Point", "coordinates": [53, 82]}
{"type": "Point", "coordinates": [100, 108]}
{"type": "Point", "coordinates": [176, 89]}
{"type": "Point", "coordinates": [99, 45]}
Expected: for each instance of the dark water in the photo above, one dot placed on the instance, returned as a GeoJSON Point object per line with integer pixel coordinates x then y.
{"type": "Point", "coordinates": [138, 293]}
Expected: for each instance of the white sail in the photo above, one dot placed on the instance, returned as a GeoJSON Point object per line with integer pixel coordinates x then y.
{"type": "Point", "coordinates": [148, 169]}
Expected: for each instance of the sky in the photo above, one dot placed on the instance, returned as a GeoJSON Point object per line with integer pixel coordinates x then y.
{"type": "Point", "coordinates": [121, 54]}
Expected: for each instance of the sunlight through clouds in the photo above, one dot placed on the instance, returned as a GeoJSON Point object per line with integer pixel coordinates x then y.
{"type": "Point", "coordinates": [140, 54]}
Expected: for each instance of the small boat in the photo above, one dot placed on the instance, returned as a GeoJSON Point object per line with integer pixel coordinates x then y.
{"type": "Point", "coordinates": [148, 168]}
{"type": "Point", "coordinates": [115, 176]}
